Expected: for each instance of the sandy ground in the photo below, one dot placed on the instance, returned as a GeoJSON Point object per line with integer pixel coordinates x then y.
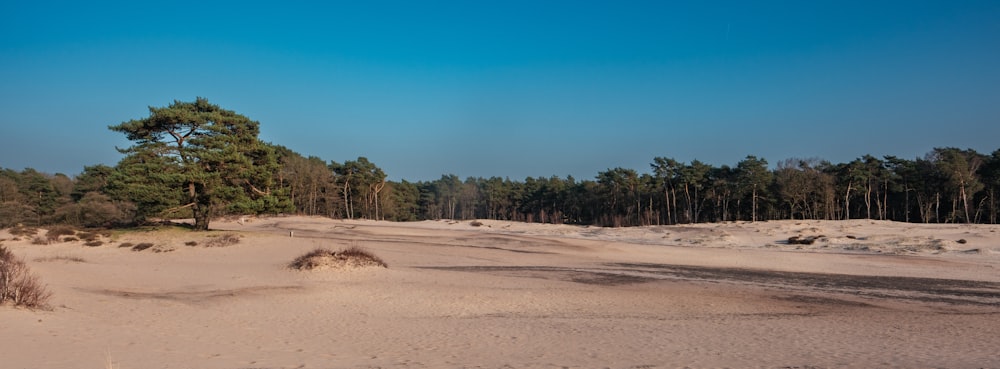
{"type": "Point", "coordinates": [490, 294]}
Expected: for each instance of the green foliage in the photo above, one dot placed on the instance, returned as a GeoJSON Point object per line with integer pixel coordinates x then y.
{"type": "Point", "coordinates": [200, 157]}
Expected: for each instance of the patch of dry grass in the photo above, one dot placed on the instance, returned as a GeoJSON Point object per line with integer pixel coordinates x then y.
{"type": "Point", "coordinates": [73, 259]}
{"type": "Point", "coordinates": [21, 230]}
{"type": "Point", "coordinates": [56, 231]}
{"type": "Point", "coordinates": [224, 240]}
{"type": "Point", "coordinates": [18, 286]}
{"type": "Point", "coordinates": [351, 257]}
{"type": "Point", "coordinates": [88, 236]}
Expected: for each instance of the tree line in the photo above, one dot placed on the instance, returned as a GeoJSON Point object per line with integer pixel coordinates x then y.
{"type": "Point", "coordinates": [197, 160]}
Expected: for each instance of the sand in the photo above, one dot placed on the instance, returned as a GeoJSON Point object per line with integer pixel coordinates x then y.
{"type": "Point", "coordinates": [491, 294]}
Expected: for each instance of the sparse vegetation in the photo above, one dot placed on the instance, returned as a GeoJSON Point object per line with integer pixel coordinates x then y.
{"type": "Point", "coordinates": [351, 257]}
{"type": "Point", "coordinates": [18, 286]}
{"type": "Point", "coordinates": [57, 231]}
{"type": "Point", "coordinates": [191, 243]}
{"type": "Point", "coordinates": [126, 244]}
{"type": "Point", "coordinates": [88, 236]}
{"type": "Point", "coordinates": [70, 239]}
{"type": "Point", "coordinates": [142, 246]}
{"type": "Point", "coordinates": [73, 259]}
{"type": "Point", "coordinates": [799, 240]}
{"type": "Point", "coordinates": [94, 243]}
{"type": "Point", "coordinates": [20, 230]}
{"type": "Point", "coordinates": [476, 223]}
{"type": "Point", "coordinates": [223, 240]}
{"type": "Point", "coordinates": [39, 241]}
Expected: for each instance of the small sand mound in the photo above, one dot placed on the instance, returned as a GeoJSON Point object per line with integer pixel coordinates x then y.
{"type": "Point", "coordinates": [350, 258]}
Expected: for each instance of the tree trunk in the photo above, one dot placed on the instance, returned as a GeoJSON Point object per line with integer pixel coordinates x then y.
{"type": "Point", "coordinates": [868, 201]}
{"type": "Point", "coordinates": [847, 202]}
{"type": "Point", "coordinates": [965, 203]}
{"type": "Point", "coordinates": [202, 211]}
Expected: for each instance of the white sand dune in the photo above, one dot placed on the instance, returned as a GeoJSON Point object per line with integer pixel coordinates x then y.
{"type": "Point", "coordinates": [511, 295]}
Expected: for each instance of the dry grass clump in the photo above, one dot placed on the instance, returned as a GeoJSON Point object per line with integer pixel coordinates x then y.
{"type": "Point", "coordinates": [88, 236]}
{"type": "Point", "coordinates": [39, 241]}
{"type": "Point", "coordinates": [476, 223]}
{"type": "Point", "coordinates": [141, 246]}
{"type": "Point", "coordinates": [73, 259]}
{"type": "Point", "coordinates": [224, 240]}
{"type": "Point", "coordinates": [126, 245]}
{"type": "Point", "coordinates": [191, 243]}
{"type": "Point", "coordinates": [55, 232]}
{"type": "Point", "coordinates": [18, 286]}
{"type": "Point", "coordinates": [21, 230]}
{"type": "Point", "coordinates": [351, 257]}
{"type": "Point", "coordinates": [799, 240]}
{"type": "Point", "coordinates": [94, 243]}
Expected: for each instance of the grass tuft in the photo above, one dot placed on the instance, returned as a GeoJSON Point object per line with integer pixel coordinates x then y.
{"type": "Point", "coordinates": [351, 257]}
{"type": "Point", "coordinates": [142, 246]}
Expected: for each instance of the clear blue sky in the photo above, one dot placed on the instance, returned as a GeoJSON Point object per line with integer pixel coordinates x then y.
{"type": "Point", "coordinates": [510, 88]}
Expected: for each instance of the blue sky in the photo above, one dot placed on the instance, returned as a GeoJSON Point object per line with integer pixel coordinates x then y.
{"type": "Point", "coordinates": [510, 88]}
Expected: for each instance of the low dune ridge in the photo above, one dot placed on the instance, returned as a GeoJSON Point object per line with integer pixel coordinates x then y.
{"type": "Point", "coordinates": [495, 294]}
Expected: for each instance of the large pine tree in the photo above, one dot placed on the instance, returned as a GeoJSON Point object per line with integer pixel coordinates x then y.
{"type": "Point", "coordinates": [199, 156]}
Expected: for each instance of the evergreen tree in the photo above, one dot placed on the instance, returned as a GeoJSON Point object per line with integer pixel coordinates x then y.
{"type": "Point", "coordinates": [197, 155]}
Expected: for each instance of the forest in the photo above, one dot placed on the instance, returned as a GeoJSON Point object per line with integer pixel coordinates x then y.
{"type": "Point", "coordinates": [196, 160]}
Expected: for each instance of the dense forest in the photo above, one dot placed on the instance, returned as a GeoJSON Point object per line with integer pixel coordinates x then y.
{"type": "Point", "coordinates": [196, 160]}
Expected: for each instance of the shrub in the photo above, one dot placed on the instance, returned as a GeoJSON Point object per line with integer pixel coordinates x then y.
{"type": "Point", "coordinates": [18, 285]}
{"type": "Point", "coordinates": [352, 257]}
{"type": "Point", "coordinates": [126, 244]}
{"type": "Point", "coordinates": [191, 243]}
{"type": "Point", "coordinates": [142, 246]}
{"type": "Point", "coordinates": [70, 239]}
{"type": "Point", "coordinates": [39, 241]}
{"type": "Point", "coordinates": [94, 243]}
{"type": "Point", "coordinates": [476, 223]}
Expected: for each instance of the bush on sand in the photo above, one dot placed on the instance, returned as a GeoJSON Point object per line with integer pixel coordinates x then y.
{"type": "Point", "coordinates": [18, 286]}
